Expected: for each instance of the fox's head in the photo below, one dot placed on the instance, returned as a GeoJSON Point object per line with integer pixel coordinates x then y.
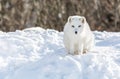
{"type": "Point", "coordinates": [76, 23]}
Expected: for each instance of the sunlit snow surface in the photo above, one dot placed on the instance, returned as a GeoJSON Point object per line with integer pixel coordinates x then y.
{"type": "Point", "coordinates": [36, 53]}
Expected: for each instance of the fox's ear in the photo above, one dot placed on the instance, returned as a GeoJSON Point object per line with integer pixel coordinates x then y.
{"type": "Point", "coordinates": [69, 19]}
{"type": "Point", "coordinates": [83, 20]}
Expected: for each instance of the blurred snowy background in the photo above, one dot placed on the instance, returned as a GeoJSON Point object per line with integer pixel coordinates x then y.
{"type": "Point", "coordinates": [20, 14]}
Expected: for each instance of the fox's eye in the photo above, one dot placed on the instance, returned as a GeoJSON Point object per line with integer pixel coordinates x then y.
{"type": "Point", "coordinates": [73, 26]}
{"type": "Point", "coordinates": [79, 26]}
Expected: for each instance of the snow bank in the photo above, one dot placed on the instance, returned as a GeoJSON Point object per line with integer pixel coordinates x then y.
{"type": "Point", "coordinates": [36, 53]}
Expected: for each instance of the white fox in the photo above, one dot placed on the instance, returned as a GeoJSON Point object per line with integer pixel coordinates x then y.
{"type": "Point", "coordinates": [78, 38]}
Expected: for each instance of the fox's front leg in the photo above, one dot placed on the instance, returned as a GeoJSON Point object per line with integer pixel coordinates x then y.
{"type": "Point", "coordinates": [80, 49]}
{"type": "Point", "coordinates": [72, 48]}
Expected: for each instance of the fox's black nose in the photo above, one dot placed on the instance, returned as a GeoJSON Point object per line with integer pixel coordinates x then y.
{"type": "Point", "coordinates": [75, 32]}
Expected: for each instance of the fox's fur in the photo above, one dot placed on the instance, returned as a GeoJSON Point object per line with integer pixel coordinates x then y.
{"type": "Point", "coordinates": [78, 37]}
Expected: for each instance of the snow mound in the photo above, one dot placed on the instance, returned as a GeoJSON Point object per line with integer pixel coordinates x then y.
{"type": "Point", "coordinates": [36, 53]}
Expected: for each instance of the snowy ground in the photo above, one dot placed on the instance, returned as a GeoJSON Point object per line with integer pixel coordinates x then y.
{"type": "Point", "coordinates": [36, 53]}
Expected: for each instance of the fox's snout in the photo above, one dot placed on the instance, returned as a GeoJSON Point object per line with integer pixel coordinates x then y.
{"type": "Point", "coordinates": [76, 32]}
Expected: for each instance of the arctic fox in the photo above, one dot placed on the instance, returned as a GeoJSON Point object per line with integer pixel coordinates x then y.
{"type": "Point", "coordinates": [78, 38]}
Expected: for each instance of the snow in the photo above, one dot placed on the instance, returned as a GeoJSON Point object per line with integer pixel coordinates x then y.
{"type": "Point", "coordinates": [36, 53]}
